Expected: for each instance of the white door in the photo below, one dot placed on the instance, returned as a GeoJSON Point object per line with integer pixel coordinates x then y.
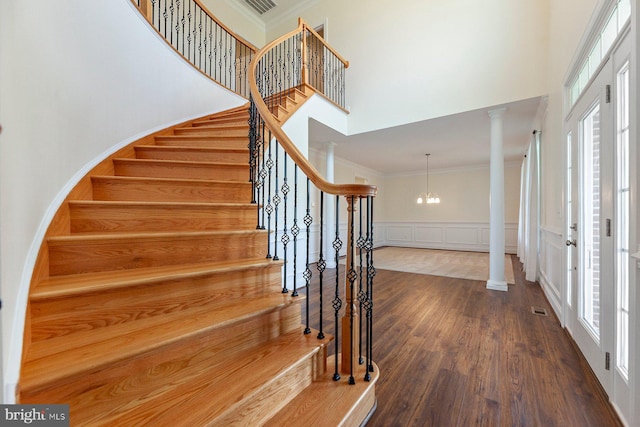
{"type": "Point", "coordinates": [598, 202]}
{"type": "Point", "coordinates": [590, 130]}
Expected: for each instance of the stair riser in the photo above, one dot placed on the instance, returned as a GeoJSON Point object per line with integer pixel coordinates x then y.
{"type": "Point", "coordinates": [93, 393]}
{"type": "Point", "coordinates": [238, 120]}
{"type": "Point", "coordinates": [219, 156]}
{"type": "Point", "coordinates": [212, 131]}
{"type": "Point", "coordinates": [141, 218]}
{"type": "Point", "coordinates": [202, 141]}
{"type": "Point", "coordinates": [151, 169]}
{"type": "Point", "coordinates": [89, 255]}
{"type": "Point", "coordinates": [170, 191]}
{"type": "Point", "coordinates": [92, 311]}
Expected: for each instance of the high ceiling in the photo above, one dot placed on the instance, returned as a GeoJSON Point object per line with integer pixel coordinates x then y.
{"type": "Point", "coordinates": [456, 141]}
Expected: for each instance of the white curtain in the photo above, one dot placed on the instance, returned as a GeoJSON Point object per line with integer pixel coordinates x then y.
{"type": "Point", "coordinates": [528, 224]}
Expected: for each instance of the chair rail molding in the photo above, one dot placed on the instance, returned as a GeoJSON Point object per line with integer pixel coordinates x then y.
{"type": "Point", "coordinates": [449, 235]}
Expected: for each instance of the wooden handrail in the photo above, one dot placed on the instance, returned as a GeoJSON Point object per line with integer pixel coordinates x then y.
{"type": "Point", "coordinates": [359, 190]}
{"type": "Point", "coordinates": [303, 25]}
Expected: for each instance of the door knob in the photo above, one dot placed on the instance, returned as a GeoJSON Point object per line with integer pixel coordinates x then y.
{"type": "Point", "coordinates": [570, 242]}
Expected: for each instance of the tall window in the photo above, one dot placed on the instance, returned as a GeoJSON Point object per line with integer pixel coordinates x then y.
{"type": "Point", "coordinates": [590, 301]}
{"type": "Point", "coordinates": [622, 221]}
{"type": "Point", "coordinates": [614, 24]}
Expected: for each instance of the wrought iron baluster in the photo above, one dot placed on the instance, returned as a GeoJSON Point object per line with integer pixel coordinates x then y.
{"type": "Point", "coordinates": [352, 276]}
{"type": "Point", "coordinates": [321, 265]}
{"type": "Point", "coordinates": [308, 220]}
{"type": "Point", "coordinates": [285, 236]}
{"type": "Point", "coordinates": [337, 302]}
{"type": "Point", "coordinates": [276, 201]}
{"type": "Point", "coordinates": [269, 206]}
{"type": "Point", "coordinates": [295, 230]}
{"type": "Point", "coordinates": [361, 289]}
{"type": "Point", "coordinates": [371, 272]}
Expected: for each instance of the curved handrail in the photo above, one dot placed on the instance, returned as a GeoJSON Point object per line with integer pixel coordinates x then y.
{"type": "Point", "coordinates": [359, 190]}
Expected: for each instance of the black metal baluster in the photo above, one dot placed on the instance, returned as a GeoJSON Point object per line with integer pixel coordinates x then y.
{"type": "Point", "coordinates": [337, 302]}
{"type": "Point", "coordinates": [269, 207]}
{"type": "Point", "coordinates": [295, 230]}
{"type": "Point", "coordinates": [165, 15]}
{"type": "Point", "coordinates": [371, 272]}
{"type": "Point", "coordinates": [285, 236]}
{"type": "Point", "coordinates": [308, 220]}
{"type": "Point", "coordinates": [321, 265]}
{"type": "Point", "coordinates": [361, 288]}
{"type": "Point", "coordinates": [352, 276]}
{"type": "Point", "coordinates": [200, 26]}
{"type": "Point", "coordinates": [171, 8]}
{"type": "Point", "coordinates": [276, 203]}
{"type": "Point", "coordinates": [190, 33]}
{"type": "Point", "coordinates": [263, 170]}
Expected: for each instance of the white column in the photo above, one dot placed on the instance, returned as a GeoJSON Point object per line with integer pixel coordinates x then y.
{"type": "Point", "coordinates": [496, 205]}
{"type": "Point", "coordinates": [330, 215]}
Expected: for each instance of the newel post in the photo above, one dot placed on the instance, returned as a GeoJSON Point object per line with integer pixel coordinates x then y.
{"type": "Point", "coordinates": [350, 338]}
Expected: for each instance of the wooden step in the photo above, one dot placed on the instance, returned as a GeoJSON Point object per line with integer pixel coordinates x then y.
{"type": "Point", "coordinates": [214, 125]}
{"type": "Point", "coordinates": [349, 404]}
{"type": "Point", "coordinates": [66, 366]}
{"type": "Point", "coordinates": [88, 216]}
{"type": "Point", "coordinates": [78, 254]}
{"type": "Point", "coordinates": [64, 305]}
{"type": "Point", "coordinates": [169, 190]}
{"type": "Point", "coordinates": [240, 132]}
{"type": "Point", "coordinates": [239, 119]}
{"type": "Point", "coordinates": [245, 390]}
{"type": "Point", "coordinates": [181, 169]}
{"type": "Point", "coordinates": [201, 154]}
{"type": "Point", "coordinates": [235, 142]}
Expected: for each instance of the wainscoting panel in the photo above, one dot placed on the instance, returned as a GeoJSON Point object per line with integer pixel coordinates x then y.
{"type": "Point", "coordinates": [462, 236]}
{"type": "Point", "coordinates": [427, 234]}
{"type": "Point", "coordinates": [551, 253]}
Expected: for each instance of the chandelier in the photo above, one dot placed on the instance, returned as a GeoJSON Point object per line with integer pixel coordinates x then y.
{"type": "Point", "coordinates": [427, 198]}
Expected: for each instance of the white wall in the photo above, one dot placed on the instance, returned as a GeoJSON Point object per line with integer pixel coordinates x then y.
{"type": "Point", "coordinates": [72, 90]}
{"type": "Point", "coordinates": [568, 21]}
{"type": "Point", "coordinates": [435, 58]}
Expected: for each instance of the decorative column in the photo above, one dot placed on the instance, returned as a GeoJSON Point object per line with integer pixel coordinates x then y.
{"type": "Point", "coordinates": [496, 204]}
{"type": "Point", "coordinates": [330, 209]}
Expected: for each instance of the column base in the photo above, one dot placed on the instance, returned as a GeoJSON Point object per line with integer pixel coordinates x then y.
{"type": "Point", "coordinates": [497, 286]}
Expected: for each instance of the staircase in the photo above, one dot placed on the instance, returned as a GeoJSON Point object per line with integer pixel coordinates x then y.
{"type": "Point", "coordinates": [153, 302]}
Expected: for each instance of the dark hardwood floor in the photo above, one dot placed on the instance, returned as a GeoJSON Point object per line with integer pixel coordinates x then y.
{"type": "Point", "coordinates": [452, 353]}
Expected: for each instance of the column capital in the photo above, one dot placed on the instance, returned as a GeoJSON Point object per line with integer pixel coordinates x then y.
{"type": "Point", "coordinates": [496, 113]}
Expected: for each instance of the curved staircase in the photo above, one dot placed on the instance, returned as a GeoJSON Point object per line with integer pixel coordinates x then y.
{"type": "Point", "coordinates": [153, 302]}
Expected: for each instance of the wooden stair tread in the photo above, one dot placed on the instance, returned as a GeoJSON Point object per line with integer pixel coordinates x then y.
{"type": "Point", "coordinates": [194, 149]}
{"type": "Point", "coordinates": [78, 284]}
{"type": "Point", "coordinates": [182, 162]}
{"type": "Point", "coordinates": [153, 205]}
{"type": "Point", "coordinates": [53, 360]}
{"type": "Point", "coordinates": [211, 138]}
{"type": "Point", "coordinates": [218, 126]}
{"type": "Point", "coordinates": [147, 236]}
{"type": "Point", "coordinates": [182, 180]}
{"type": "Point", "coordinates": [348, 404]}
{"type": "Point", "coordinates": [208, 389]}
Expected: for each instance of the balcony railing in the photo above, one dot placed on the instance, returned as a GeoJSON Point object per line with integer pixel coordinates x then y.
{"type": "Point", "coordinates": [202, 40]}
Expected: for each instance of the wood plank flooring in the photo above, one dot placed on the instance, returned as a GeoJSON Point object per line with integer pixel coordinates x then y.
{"type": "Point", "coordinates": [452, 353]}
